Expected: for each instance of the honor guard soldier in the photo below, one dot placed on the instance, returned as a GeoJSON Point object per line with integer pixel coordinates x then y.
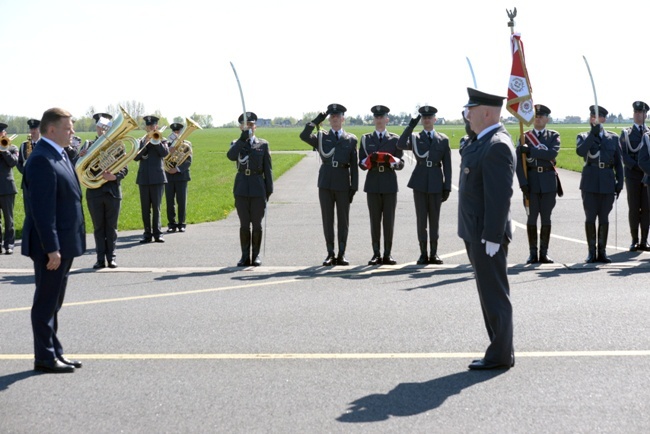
{"type": "Point", "coordinates": [431, 178]}
{"type": "Point", "coordinates": [484, 192]}
{"type": "Point", "coordinates": [381, 157]}
{"type": "Point", "coordinates": [176, 187]}
{"type": "Point", "coordinates": [253, 187]}
{"type": "Point", "coordinates": [8, 159]}
{"type": "Point", "coordinates": [28, 145]}
{"type": "Point", "coordinates": [151, 178]}
{"type": "Point", "coordinates": [540, 182]}
{"type": "Point", "coordinates": [637, 191]}
{"type": "Point", "coordinates": [338, 176]}
{"type": "Point", "coordinates": [601, 181]}
{"type": "Point", "coordinates": [644, 162]}
{"type": "Point", "coordinates": [104, 202]}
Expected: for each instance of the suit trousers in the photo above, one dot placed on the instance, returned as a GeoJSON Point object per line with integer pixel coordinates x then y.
{"type": "Point", "coordinates": [494, 294]}
{"type": "Point", "coordinates": [329, 199]}
{"type": "Point", "coordinates": [597, 205]}
{"type": "Point", "coordinates": [104, 212]}
{"type": "Point", "coordinates": [7, 202]}
{"type": "Point", "coordinates": [382, 210]}
{"type": "Point", "coordinates": [541, 205]}
{"type": "Point", "coordinates": [176, 192]}
{"type": "Point", "coordinates": [250, 211]}
{"type": "Point", "coordinates": [427, 210]}
{"type": "Point", "coordinates": [637, 201]}
{"type": "Point", "coordinates": [150, 200]}
{"type": "Point", "coordinates": [48, 299]}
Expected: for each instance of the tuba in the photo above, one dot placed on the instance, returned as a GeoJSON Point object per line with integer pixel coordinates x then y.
{"type": "Point", "coordinates": [5, 142]}
{"type": "Point", "coordinates": [182, 148]}
{"type": "Point", "coordinates": [111, 152]}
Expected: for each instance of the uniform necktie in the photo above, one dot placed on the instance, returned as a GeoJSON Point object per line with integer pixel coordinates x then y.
{"type": "Point", "coordinates": [380, 137]}
{"type": "Point", "coordinates": [539, 134]}
{"type": "Point", "coordinates": [336, 133]}
{"type": "Point", "coordinates": [429, 134]}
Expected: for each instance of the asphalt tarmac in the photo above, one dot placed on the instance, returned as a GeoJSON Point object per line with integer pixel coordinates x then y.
{"type": "Point", "coordinates": [178, 339]}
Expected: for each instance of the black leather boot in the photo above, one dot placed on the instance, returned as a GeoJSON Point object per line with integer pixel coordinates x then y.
{"type": "Point", "coordinates": [257, 242]}
{"type": "Point", "coordinates": [245, 241]}
{"type": "Point", "coordinates": [424, 256]}
{"type": "Point", "coordinates": [433, 257]}
{"type": "Point", "coordinates": [590, 231]}
{"type": "Point", "coordinates": [544, 239]}
{"type": "Point", "coordinates": [643, 245]}
{"type": "Point", "coordinates": [602, 243]}
{"type": "Point", "coordinates": [532, 244]}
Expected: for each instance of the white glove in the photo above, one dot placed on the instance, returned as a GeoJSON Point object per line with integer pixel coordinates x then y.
{"type": "Point", "coordinates": [491, 248]}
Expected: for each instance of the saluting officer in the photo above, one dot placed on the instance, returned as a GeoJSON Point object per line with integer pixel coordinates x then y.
{"type": "Point", "coordinates": [338, 177]}
{"type": "Point", "coordinates": [637, 191]}
{"type": "Point", "coordinates": [176, 187]}
{"type": "Point", "coordinates": [151, 179]}
{"type": "Point", "coordinates": [538, 153]}
{"type": "Point", "coordinates": [431, 178]}
{"type": "Point", "coordinates": [8, 159]}
{"type": "Point", "coordinates": [601, 181]}
{"type": "Point", "coordinates": [253, 186]}
{"type": "Point", "coordinates": [104, 202]}
{"type": "Point", "coordinates": [381, 157]}
{"type": "Point", "coordinates": [28, 145]}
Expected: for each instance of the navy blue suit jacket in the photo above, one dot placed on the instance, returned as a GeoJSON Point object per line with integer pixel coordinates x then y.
{"type": "Point", "coordinates": [54, 219]}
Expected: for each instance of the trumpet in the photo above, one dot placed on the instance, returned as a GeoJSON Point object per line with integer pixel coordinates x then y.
{"type": "Point", "coordinates": [182, 147]}
{"type": "Point", "coordinates": [5, 142]}
{"type": "Point", "coordinates": [154, 137]}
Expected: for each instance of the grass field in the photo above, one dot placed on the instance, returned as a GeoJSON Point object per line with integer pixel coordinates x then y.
{"type": "Point", "coordinates": [210, 190]}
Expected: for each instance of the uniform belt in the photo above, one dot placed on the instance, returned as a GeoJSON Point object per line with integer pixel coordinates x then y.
{"type": "Point", "coordinates": [381, 167]}
{"type": "Point", "coordinates": [429, 164]}
{"type": "Point", "coordinates": [540, 169]}
{"type": "Point", "coordinates": [601, 165]}
{"type": "Point", "coordinates": [336, 164]}
{"type": "Point", "coordinates": [249, 172]}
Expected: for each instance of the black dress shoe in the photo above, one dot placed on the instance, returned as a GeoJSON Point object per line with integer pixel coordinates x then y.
{"type": "Point", "coordinates": [112, 264]}
{"type": "Point", "coordinates": [257, 261]}
{"type": "Point", "coordinates": [171, 230]}
{"type": "Point", "coordinates": [375, 260]}
{"type": "Point", "coordinates": [388, 260]}
{"type": "Point", "coordinates": [435, 259]}
{"type": "Point", "coordinates": [482, 364]}
{"type": "Point", "coordinates": [423, 259]}
{"type": "Point", "coordinates": [145, 240]}
{"type": "Point", "coordinates": [181, 229]}
{"type": "Point", "coordinates": [160, 240]}
{"type": "Point", "coordinates": [643, 246]}
{"type": "Point", "coordinates": [342, 260]}
{"type": "Point", "coordinates": [634, 246]}
{"type": "Point", "coordinates": [73, 363]}
{"type": "Point", "coordinates": [99, 264]}
{"type": "Point", "coordinates": [53, 366]}
{"type": "Point", "coordinates": [330, 260]}
{"type": "Point", "coordinates": [9, 251]}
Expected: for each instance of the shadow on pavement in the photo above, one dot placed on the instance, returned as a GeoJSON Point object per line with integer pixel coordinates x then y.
{"type": "Point", "coordinates": [9, 379]}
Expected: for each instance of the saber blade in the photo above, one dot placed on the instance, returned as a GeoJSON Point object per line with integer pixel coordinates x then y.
{"type": "Point", "coordinates": [593, 86]}
{"type": "Point", "coordinates": [241, 93]}
{"type": "Point", "coordinates": [472, 71]}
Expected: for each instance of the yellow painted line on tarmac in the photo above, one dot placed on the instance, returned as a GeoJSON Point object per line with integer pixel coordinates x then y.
{"type": "Point", "coordinates": [335, 356]}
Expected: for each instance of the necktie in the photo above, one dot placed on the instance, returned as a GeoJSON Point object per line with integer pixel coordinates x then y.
{"type": "Point", "coordinates": [429, 134]}
{"type": "Point", "coordinates": [336, 133]}
{"type": "Point", "coordinates": [380, 137]}
{"type": "Point", "coordinates": [539, 134]}
{"type": "Point", "coordinates": [66, 160]}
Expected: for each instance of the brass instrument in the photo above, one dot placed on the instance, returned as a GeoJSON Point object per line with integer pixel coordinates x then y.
{"type": "Point", "coordinates": [5, 142]}
{"type": "Point", "coordinates": [182, 148]}
{"type": "Point", "coordinates": [29, 145]}
{"type": "Point", "coordinates": [154, 137]}
{"type": "Point", "coordinates": [111, 152]}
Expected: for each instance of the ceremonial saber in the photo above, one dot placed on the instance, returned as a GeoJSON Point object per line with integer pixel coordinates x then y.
{"type": "Point", "coordinates": [472, 71]}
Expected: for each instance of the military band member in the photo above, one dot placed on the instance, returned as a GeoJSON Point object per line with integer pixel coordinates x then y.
{"type": "Point", "coordinates": [28, 145]}
{"type": "Point", "coordinates": [431, 178]}
{"type": "Point", "coordinates": [104, 203]}
{"type": "Point", "coordinates": [637, 191]}
{"type": "Point", "coordinates": [381, 157]}
{"type": "Point", "coordinates": [176, 187]}
{"type": "Point", "coordinates": [540, 186]}
{"type": "Point", "coordinates": [601, 181]}
{"type": "Point", "coordinates": [338, 177]}
{"type": "Point", "coordinates": [253, 187]}
{"type": "Point", "coordinates": [8, 160]}
{"type": "Point", "coordinates": [484, 192]}
{"type": "Point", "coordinates": [151, 179]}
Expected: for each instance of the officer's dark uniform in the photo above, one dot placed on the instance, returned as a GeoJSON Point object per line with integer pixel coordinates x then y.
{"type": "Point", "coordinates": [338, 179]}
{"type": "Point", "coordinates": [8, 160]}
{"type": "Point", "coordinates": [601, 183]}
{"type": "Point", "coordinates": [151, 180]}
{"type": "Point", "coordinates": [637, 191]}
{"type": "Point", "coordinates": [27, 147]}
{"type": "Point", "coordinates": [252, 189]}
{"type": "Point", "coordinates": [541, 186]}
{"type": "Point", "coordinates": [176, 189]}
{"type": "Point", "coordinates": [381, 185]}
{"type": "Point", "coordinates": [430, 181]}
{"type": "Point", "coordinates": [644, 162]}
{"type": "Point", "coordinates": [104, 207]}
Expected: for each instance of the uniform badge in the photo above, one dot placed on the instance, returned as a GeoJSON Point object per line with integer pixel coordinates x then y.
{"type": "Point", "coordinates": [466, 170]}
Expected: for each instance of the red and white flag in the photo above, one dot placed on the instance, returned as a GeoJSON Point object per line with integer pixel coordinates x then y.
{"type": "Point", "coordinates": [520, 98]}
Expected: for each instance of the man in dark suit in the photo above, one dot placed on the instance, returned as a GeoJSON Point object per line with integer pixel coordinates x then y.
{"type": "Point", "coordinates": [104, 203]}
{"type": "Point", "coordinates": [486, 173]}
{"type": "Point", "coordinates": [381, 157]}
{"type": "Point", "coordinates": [176, 187]}
{"type": "Point", "coordinates": [151, 179]}
{"type": "Point", "coordinates": [253, 187]}
{"type": "Point", "coordinates": [601, 181]}
{"type": "Point", "coordinates": [53, 234]}
{"type": "Point", "coordinates": [637, 194]}
{"type": "Point", "coordinates": [431, 178]}
{"type": "Point", "coordinates": [338, 177]}
{"type": "Point", "coordinates": [8, 160]}
{"type": "Point", "coordinates": [540, 186]}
